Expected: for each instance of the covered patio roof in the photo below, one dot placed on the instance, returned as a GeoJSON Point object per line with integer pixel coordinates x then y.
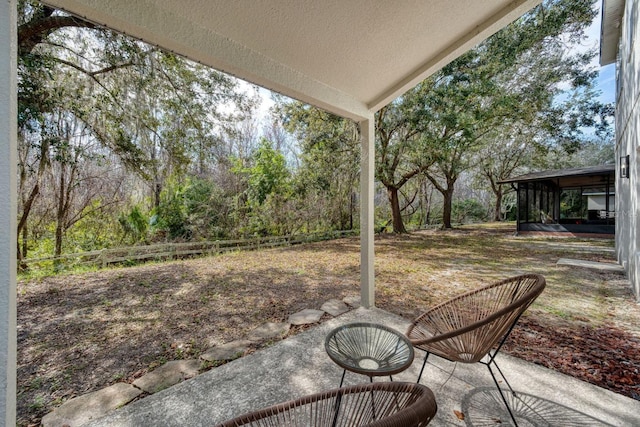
{"type": "Point", "coordinates": [348, 57]}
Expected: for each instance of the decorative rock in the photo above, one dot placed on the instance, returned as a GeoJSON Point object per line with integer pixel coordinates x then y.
{"type": "Point", "coordinates": [306, 316]}
{"type": "Point", "coordinates": [82, 409]}
{"type": "Point", "coordinates": [229, 351]}
{"type": "Point", "coordinates": [335, 307]}
{"type": "Point", "coordinates": [269, 331]}
{"type": "Point", "coordinates": [167, 375]}
{"type": "Point", "coordinates": [352, 300]}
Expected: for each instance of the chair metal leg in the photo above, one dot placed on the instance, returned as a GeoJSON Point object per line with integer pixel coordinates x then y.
{"type": "Point", "coordinates": [426, 356]}
{"type": "Point", "coordinates": [344, 371]}
{"type": "Point", "coordinates": [503, 377]}
{"type": "Point", "coordinates": [504, 399]}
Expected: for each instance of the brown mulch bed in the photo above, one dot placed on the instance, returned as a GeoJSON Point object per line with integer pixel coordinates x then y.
{"type": "Point", "coordinates": [605, 356]}
{"type": "Point", "coordinates": [78, 333]}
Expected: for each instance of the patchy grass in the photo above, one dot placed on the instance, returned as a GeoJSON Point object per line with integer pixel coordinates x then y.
{"type": "Point", "coordinates": [79, 333]}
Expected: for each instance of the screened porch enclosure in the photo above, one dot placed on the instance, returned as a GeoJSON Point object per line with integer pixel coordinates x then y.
{"type": "Point", "coordinates": [578, 200]}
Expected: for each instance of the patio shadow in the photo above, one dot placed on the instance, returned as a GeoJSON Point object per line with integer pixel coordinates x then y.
{"type": "Point", "coordinates": [483, 406]}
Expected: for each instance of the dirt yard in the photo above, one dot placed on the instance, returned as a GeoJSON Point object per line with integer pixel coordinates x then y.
{"type": "Point", "coordinates": [80, 333]}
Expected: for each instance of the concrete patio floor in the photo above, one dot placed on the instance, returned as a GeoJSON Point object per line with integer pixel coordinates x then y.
{"type": "Point", "coordinates": [299, 366]}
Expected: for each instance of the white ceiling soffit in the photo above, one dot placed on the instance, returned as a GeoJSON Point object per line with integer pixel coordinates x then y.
{"type": "Point", "coordinates": [350, 57]}
{"type": "Point", "coordinates": [612, 11]}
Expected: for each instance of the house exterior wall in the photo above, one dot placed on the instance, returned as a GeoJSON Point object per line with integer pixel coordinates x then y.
{"type": "Point", "coordinates": [628, 143]}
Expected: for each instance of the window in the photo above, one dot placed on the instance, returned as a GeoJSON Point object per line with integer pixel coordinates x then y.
{"type": "Point", "coordinates": [573, 209]}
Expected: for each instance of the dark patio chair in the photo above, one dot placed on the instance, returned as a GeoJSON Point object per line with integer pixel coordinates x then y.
{"type": "Point", "coordinates": [476, 324]}
{"type": "Point", "coordinates": [383, 404]}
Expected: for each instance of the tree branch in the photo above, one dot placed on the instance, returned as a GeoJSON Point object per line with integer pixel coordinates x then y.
{"type": "Point", "coordinates": [35, 31]}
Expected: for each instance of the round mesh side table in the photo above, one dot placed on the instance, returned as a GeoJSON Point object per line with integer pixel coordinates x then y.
{"type": "Point", "coordinates": [369, 349]}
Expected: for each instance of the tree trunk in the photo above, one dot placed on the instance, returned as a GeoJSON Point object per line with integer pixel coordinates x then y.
{"type": "Point", "coordinates": [497, 215]}
{"type": "Point", "coordinates": [352, 197]}
{"type": "Point", "coordinates": [25, 236]}
{"type": "Point", "coordinates": [157, 186]}
{"type": "Point", "coordinates": [398, 225]}
{"type": "Point", "coordinates": [21, 265]}
{"type": "Point", "coordinates": [427, 199]}
{"type": "Point", "coordinates": [157, 189]}
{"type": "Point", "coordinates": [28, 204]}
{"type": "Point", "coordinates": [58, 248]}
{"type": "Point", "coordinates": [446, 208]}
{"type": "Point", "coordinates": [60, 214]}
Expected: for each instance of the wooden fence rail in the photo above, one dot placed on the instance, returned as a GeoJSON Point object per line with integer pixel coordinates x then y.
{"type": "Point", "coordinates": [164, 251]}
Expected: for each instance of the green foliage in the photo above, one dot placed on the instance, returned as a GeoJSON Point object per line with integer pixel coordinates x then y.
{"type": "Point", "coordinates": [268, 198]}
{"type": "Point", "coordinates": [268, 173]}
{"type": "Point", "coordinates": [42, 246]}
{"type": "Point", "coordinates": [110, 126]}
{"type": "Point", "coordinates": [34, 97]}
{"type": "Point", "coordinates": [170, 215]}
{"type": "Point", "coordinates": [94, 106]}
{"type": "Point", "coordinates": [326, 181]}
{"type": "Point", "coordinates": [195, 209]}
{"type": "Point", "coordinates": [134, 225]}
{"type": "Point", "coordinates": [95, 230]}
{"type": "Point", "coordinates": [206, 208]}
{"type": "Point", "coordinates": [468, 211]}
{"type": "Point", "coordinates": [508, 83]}
{"type": "Point", "coordinates": [276, 216]}
{"type": "Point", "coordinates": [590, 152]}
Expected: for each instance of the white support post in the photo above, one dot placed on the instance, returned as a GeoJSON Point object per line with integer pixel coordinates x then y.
{"type": "Point", "coordinates": [367, 164]}
{"type": "Point", "coordinates": [8, 212]}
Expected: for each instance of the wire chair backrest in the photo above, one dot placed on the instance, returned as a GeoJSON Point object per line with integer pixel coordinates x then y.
{"type": "Point", "coordinates": [383, 404]}
{"type": "Point", "coordinates": [467, 327]}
